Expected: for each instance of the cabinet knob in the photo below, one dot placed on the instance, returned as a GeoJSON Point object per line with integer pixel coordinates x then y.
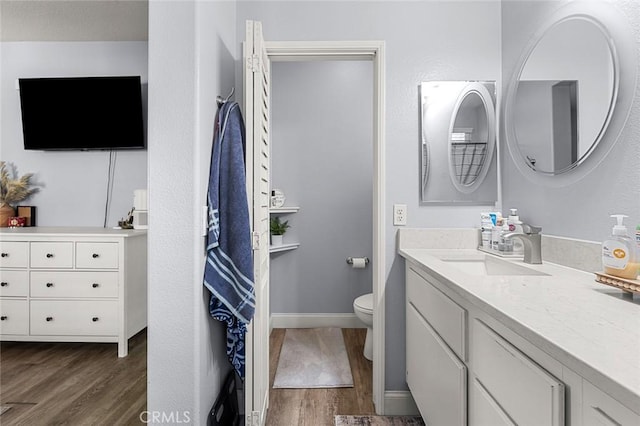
{"type": "Point", "coordinates": [3, 318]}
{"type": "Point", "coordinates": [95, 319]}
{"type": "Point", "coordinates": [49, 255]}
{"type": "Point", "coordinates": [95, 285]}
{"type": "Point", "coordinates": [49, 319]}
{"type": "Point", "coordinates": [4, 284]}
{"type": "Point", "coordinates": [5, 255]}
{"type": "Point", "coordinates": [49, 285]}
{"type": "Point", "coordinates": [95, 255]}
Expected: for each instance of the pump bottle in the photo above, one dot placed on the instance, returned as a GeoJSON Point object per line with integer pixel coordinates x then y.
{"type": "Point", "coordinates": [619, 252]}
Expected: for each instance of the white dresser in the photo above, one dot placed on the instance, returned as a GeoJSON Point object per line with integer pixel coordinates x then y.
{"type": "Point", "coordinates": [73, 285]}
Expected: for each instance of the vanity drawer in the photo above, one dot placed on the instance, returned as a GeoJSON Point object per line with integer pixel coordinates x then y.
{"type": "Point", "coordinates": [14, 254]}
{"type": "Point", "coordinates": [443, 314]}
{"type": "Point", "coordinates": [525, 391]}
{"type": "Point", "coordinates": [74, 284]}
{"type": "Point", "coordinates": [74, 318]}
{"type": "Point", "coordinates": [599, 409]}
{"type": "Point", "coordinates": [97, 255]}
{"type": "Point", "coordinates": [14, 317]}
{"type": "Point", "coordinates": [14, 283]}
{"type": "Point", "coordinates": [52, 255]}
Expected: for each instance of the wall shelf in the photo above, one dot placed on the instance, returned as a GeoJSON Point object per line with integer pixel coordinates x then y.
{"type": "Point", "coordinates": [283, 247]}
{"type": "Point", "coordinates": [284, 210]}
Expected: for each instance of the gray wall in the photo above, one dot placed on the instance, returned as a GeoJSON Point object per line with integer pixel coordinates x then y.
{"type": "Point", "coordinates": [434, 40]}
{"type": "Point", "coordinates": [191, 60]}
{"type": "Point", "coordinates": [73, 183]}
{"type": "Point", "coordinates": [579, 210]}
{"type": "Point", "coordinates": [322, 158]}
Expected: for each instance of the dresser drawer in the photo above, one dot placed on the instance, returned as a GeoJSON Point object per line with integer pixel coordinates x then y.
{"type": "Point", "coordinates": [97, 255]}
{"type": "Point", "coordinates": [14, 283]}
{"type": "Point", "coordinates": [52, 255]}
{"type": "Point", "coordinates": [74, 284]}
{"type": "Point", "coordinates": [74, 318]}
{"type": "Point", "coordinates": [14, 317]}
{"type": "Point", "coordinates": [14, 254]}
{"type": "Point", "coordinates": [443, 314]}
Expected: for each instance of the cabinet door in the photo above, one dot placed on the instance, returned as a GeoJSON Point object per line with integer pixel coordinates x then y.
{"type": "Point", "coordinates": [599, 409]}
{"type": "Point", "coordinates": [484, 410]}
{"type": "Point", "coordinates": [436, 377]}
{"type": "Point", "coordinates": [527, 393]}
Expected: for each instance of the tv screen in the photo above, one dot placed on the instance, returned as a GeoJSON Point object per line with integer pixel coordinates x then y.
{"type": "Point", "coordinates": [82, 113]}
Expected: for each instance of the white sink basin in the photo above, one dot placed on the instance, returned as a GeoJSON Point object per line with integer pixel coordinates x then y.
{"type": "Point", "coordinates": [489, 265]}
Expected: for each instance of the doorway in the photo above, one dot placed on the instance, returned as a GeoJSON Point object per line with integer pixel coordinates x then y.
{"type": "Point", "coordinates": [368, 51]}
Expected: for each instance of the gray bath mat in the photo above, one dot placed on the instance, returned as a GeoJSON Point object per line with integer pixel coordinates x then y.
{"type": "Point", "coordinates": [379, 421]}
{"type": "Point", "coordinates": [313, 358]}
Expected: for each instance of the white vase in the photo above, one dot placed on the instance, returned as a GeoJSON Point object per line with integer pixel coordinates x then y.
{"type": "Point", "coordinates": [276, 240]}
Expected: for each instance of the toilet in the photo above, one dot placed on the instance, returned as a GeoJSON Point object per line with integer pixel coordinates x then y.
{"type": "Point", "coordinates": [363, 308]}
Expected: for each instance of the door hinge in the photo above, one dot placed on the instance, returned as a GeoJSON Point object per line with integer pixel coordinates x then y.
{"type": "Point", "coordinates": [254, 418]}
{"type": "Point", "coordinates": [255, 241]}
{"type": "Point", "coordinates": [253, 63]}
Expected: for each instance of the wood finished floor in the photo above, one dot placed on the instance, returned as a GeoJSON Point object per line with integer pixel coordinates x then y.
{"type": "Point", "coordinates": [73, 383]}
{"type": "Point", "coordinates": [317, 407]}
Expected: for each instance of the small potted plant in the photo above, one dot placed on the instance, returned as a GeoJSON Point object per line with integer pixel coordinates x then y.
{"type": "Point", "coordinates": [13, 189]}
{"type": "Point", "coordinates": [278, 229]}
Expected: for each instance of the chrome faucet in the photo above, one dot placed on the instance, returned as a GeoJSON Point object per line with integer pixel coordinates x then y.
{"type": "Point", "coordinates": [532, 242]}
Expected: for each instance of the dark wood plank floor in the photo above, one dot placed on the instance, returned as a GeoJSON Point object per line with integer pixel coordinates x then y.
{"type": "Point", "coordinates": [317, 407]}
{"type": "Point", "coordinates": [73, 383]}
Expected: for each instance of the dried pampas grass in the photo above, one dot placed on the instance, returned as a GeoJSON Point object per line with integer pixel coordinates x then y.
{"type": "Point", "coordinates": [14, 189]}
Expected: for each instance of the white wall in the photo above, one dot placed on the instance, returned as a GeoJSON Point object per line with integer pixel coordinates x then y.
{"type": "Point", "coordinates": [434, 40]}
{"type": "Point", "coordinates": [191, 60]}
{"type": "Point", "coordinates": [322, 158]}
{"type": "Point", "coordinates": [73, 183]}
{"type": "Point", "coordinates": [579, 210]}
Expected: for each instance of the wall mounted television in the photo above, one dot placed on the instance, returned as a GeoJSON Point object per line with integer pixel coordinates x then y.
{"type": "Point", "coordinates": [82, 113]}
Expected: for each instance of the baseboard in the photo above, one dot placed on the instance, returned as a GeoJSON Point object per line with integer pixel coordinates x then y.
{"type": "Point", "coordinates": [399, 403]}
{"type": "Point", "coordinates": [315, 320]}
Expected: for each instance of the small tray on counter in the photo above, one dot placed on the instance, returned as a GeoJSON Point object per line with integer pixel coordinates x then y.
{"type": "Point", "coordinates": [625, 284]}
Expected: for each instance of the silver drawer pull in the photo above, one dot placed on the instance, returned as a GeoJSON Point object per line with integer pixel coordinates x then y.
{"type": "Point", "coordinates": [4, 318]}
{"type": "Point", "coordinates": [95, 255]}
{"type": "Point", "coordinates": [95, 319]}
{"type": "Point", "coordinates": [49, 319]}
{"type": "Point", "coordinates": [95, 285]}
{"type": "Point", "coordinates": [4, 284]}
{"type": "Point", "coordinates": [49, 285]}
{"type": "Point", "coordinates": [49, 255]}
{"type": "Point", "coordinates": [5, 255]}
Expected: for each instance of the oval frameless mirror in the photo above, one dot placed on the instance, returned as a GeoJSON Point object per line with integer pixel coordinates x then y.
{"type": "Point", "coordinates": [564, 95]}
{"type": "Point", "coordinates": [458, 142]}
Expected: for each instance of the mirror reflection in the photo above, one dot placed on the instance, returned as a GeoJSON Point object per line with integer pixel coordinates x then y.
{"type": "Point", "coordinates": [458, 142]}
{"type": "Point", "coordinates": [565, 95]}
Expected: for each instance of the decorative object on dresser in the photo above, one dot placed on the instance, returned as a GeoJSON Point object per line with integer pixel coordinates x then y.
{"type": "Point", "coordinates": [13, 189]}
{"type": "Point", "coordinates": [73, 285]}
{"type": "Point", "coordinates": [29, 213]}
{"type": "Point", "coordinates": [278, 229]}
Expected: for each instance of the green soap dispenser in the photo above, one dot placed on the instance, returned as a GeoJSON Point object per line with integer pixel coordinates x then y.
{"type": "Point", "coordinates": [619, 252]}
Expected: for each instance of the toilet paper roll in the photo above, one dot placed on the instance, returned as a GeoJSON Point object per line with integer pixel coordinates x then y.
{"type": "Point", "coordinates": [359, 263]}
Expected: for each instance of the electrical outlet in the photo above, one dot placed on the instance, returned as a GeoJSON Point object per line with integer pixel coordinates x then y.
{"type": "Point", "coordinates": [400, 214]}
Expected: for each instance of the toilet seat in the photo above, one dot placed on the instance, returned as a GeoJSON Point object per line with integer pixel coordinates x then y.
{"type": "Point", "coordinates": [364, 303]}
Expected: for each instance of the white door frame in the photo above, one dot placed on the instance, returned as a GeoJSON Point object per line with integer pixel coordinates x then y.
{"type": "Point", "coordinates": [367, 51]}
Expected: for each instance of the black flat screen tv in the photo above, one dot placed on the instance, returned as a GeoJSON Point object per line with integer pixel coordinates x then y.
{"type": "Point", "coordinates": [82, 113]}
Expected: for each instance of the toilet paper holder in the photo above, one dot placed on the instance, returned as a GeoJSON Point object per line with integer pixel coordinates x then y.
{"type": "Point", "coordinates": [350, 260]}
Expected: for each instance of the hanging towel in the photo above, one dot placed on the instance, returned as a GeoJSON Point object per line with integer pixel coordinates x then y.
{"type": "Point", "coordinates": [228, 272]}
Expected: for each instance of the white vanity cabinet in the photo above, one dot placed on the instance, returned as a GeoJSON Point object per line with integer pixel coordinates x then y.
{"type": "Point", "coordinates": [510, 384]}
{"type": "Point", "coordinates": [73, 285]}
{"type": "Point", "coordinates": [435, 345]}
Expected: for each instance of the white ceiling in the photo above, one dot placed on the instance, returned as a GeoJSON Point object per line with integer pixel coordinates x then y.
{"type": "Point", "coordinates": [75, 20]}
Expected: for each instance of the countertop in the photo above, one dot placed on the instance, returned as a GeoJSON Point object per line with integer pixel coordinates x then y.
{"type": "Point", "coordinates": [591, 328]}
